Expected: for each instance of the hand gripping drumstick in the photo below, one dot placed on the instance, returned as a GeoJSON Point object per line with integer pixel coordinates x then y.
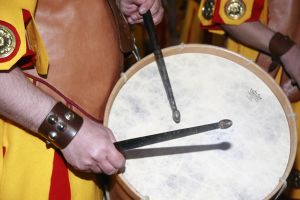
{"type": "Point", "coordinates": [165, 136]}
{"type": "Point", "coordinates": [149, 24]}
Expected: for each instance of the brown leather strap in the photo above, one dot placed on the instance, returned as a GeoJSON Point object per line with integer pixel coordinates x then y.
{"type": "Point", "coordinates": [60, 126]}
{"type": "Point", "coordinates": [279, 45]}
{"type": "Point", "coordinates": [125, 38]}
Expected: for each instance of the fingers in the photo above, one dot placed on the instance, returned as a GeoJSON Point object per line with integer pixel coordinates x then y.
{"type": "Point", "coordinates": [135, 1]}
{"type": "Point", "coordinates": [129, 10]}
{"type": "Point", "coordinates": [155, 8]}
{"type": "Point", "coordinates": [158, 16]}
{"type": "Point", "coordinates": [134, 12]}
{"type": "Point", "coordinates": [92, 150]}
{"type": "Point", "coordinates": [103, 166]}
{"type": "Point", "coordinates": [115, 158]}
{"type": "Point", "coordinates": [95, 169]}
{"type": "Point", "coordinates": [153, 5]}
{"type": "Point", "coordinates": [108, 161]}
{"type": "Point", "coordinates": [112, 163]}
{"type": "Point", "coordinates": [107, 167]}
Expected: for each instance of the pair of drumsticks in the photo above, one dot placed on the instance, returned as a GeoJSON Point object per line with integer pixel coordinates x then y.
{"type": "Point", "coordinates": [125, 145]}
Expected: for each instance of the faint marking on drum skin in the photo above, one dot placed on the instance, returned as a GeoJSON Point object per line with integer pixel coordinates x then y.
{"type": "Point", "coordinates": [238, 155]}
{"type": "Point", "coordinates": [170, 181]}
{"type": "Point", "coordinates": [137, 109]}
{"type": "Point", "coordinates": [254, 95]}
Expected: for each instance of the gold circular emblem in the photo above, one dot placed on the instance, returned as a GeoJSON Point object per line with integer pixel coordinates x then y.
{"type": "Point", "coordinates": [7, 41]}
{"type": "Point", "coordinates": [208, 9]}
{"type": "Point", "coordinates": [235, 9]}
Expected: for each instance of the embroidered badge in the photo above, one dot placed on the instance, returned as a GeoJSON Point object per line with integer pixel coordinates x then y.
{"type": "Point", "coordinates": [7, 41]}
{"type": "Point", "coordinates": [235, 9]}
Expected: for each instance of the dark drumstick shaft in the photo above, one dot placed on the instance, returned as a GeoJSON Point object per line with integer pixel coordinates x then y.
{"type": "Point", "coordinates": [149, 24]}
{"type": "Point", "coordinates": [170, 135]}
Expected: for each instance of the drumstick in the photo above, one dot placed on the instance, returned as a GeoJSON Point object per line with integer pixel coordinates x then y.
{"type": "Point", "coordinates": [133, 143]}
{"type": "Point", "coordinates": [149, 24]}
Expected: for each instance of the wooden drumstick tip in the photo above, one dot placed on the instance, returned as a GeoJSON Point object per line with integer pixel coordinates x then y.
{"type": "Point", "coordinates": [225, 123]}
{"type": "Point", "coordinates": [176, 116]}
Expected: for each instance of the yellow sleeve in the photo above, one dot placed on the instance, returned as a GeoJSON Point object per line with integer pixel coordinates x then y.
{"type": "Point", "coordinates": [12, 36]}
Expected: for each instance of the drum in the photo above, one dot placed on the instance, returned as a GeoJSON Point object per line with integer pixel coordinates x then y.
{"type": "Point", "coordinates": [250, 160]}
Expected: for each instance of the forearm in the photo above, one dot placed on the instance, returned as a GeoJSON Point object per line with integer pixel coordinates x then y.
{"type": "Point", "coordinates": [21, 101]}
{"type": "Point", "coordinates": [90, 150]}
{"type": "Point", "coordinates": [252, 34]}
{"type": "Point", "coordinates": [278, 46]}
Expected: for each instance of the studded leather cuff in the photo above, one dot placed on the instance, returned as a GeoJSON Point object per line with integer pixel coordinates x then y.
{"type": "Point", "coordinates": [279, 45]}
{"type": "Point", "coordinates": [60, 126]}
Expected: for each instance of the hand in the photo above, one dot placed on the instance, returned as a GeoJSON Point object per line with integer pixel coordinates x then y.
{"type": "Point", "coordinates": [291, 63]}
{"type": "Point", "coordinates": [92, 150]}
{"type": "Point", "coordinates": [134, 9]}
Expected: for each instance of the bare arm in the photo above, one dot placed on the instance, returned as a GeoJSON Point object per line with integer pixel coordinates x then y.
{"type": "Point", "coordinates": [252, 34]}
{"type": "Point", "coordinates": [21, 101]}
{"type": "Point", "coordinates": [91, 150]}
{"type": "Point", "coordinates": [258, 36]}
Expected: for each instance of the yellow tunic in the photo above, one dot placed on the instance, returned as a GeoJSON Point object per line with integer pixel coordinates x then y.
{"type": "Point", "coordinates": [26, 168]}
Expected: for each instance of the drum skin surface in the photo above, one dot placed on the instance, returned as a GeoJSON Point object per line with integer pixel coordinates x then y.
{"type": "Point", "coordinates": [250, 160]}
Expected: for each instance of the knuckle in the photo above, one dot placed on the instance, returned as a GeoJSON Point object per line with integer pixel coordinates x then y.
{"type": "Point", "coordinates": [111, 172]}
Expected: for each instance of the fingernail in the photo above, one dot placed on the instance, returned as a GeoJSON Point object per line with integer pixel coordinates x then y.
{"type": "Point", "coordinates": [130, 21]}
{"type": "Point", "coordinates": [143, 10]}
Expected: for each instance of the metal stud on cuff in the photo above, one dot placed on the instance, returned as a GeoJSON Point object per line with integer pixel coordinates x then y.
{"type": "Point", "coordinates": [60, 126]}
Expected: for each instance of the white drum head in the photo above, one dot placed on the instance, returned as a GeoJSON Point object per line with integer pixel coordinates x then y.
{"type": "Point", "coordinates": [250, 160]}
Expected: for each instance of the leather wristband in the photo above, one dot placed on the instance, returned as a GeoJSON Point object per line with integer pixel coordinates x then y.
{"type": "Point", "coordinates": [60, 126]}
{"type": "Point", "coordinates": [279, 45]}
